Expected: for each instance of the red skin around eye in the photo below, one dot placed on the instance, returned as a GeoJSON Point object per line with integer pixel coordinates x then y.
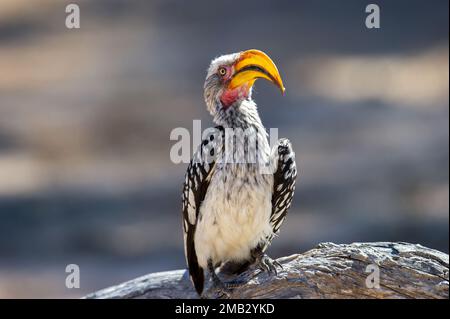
{"type": "Point", "coordinates": [227, 76]}
{"type": "Point", "coordinates": [230, 96]}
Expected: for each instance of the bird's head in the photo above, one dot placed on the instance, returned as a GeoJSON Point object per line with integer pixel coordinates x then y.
{"type": "Point", "coordinates": [231, 77]}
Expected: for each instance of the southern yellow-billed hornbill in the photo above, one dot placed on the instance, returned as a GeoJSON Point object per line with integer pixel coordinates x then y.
{"type": "Point", "coordinates": [237, 189]}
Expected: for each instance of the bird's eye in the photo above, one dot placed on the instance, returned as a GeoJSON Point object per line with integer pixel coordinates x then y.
{"type": "Point", "coordinates": [222, 71]}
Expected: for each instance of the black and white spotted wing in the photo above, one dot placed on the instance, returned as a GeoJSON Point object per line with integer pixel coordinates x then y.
{"type": "Point", "coordinates": [283, 185]}
{"type": "Point", "coordinates": [196, 184]}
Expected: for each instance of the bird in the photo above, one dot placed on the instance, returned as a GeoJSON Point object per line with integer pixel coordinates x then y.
{"type": "Point", "coordinates": [232, 209]}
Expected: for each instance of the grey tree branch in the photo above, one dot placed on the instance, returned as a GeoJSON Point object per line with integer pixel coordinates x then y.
{"type": "Point", "coordinates": [327, 271]}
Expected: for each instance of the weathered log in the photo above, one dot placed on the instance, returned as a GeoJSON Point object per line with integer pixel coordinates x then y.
{"type": "Point", "coordinates": [327, 271]}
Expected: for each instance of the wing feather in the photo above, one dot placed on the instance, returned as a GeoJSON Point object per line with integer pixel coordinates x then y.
{"type": "Point", "coordinates": [194, 190]}
{"type": "Point", "coordinates": [283, 186]}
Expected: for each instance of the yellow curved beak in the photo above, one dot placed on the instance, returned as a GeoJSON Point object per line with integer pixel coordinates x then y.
{"type": "Point", "coordinates": [252, 65]}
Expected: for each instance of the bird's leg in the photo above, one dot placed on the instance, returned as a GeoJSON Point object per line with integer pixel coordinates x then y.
{"type": "Point", "coordinates": [234, 268]}
{"type": "Point", "coordinates": [223, 289]}
{"type": "Point", "coordinates": [264, 262]}
{"type": "Point", "coordinates": [216, 280]}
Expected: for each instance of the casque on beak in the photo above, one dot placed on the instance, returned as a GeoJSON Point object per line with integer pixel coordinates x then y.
{"type": "Point", "coordinates": [252, 65]}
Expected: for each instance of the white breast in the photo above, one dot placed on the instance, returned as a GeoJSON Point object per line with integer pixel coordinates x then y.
{"type": "Point", "coordinates": [235, 215]}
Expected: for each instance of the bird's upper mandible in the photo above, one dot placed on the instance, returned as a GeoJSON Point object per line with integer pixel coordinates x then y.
{"type": "Point", "coordinates": [251, 65]}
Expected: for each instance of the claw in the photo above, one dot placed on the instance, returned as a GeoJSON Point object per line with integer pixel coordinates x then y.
{"type": "Point", "coordinates": [265, 263]}
{"type": "Point", "coordinates": [276, 263]}
{"type": "Point", "coordinates": [223, 293]}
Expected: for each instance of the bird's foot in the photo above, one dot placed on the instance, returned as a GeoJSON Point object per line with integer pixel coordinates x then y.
{"type": "Point", "coordinates": [234, 284]}
{"type": "Point", "coordinates": [220, 289]}
{"type": "Point", "coordinates": [265, 263]}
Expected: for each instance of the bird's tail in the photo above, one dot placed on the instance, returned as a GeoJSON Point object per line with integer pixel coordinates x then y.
{"type": "Point", "coordinates": [197, 276]}
{"type": "Point", "coordinates": [195, 271]}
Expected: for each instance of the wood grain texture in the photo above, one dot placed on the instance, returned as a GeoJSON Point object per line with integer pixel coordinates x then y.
{"type": "Point", "coordinates": [327, 271]}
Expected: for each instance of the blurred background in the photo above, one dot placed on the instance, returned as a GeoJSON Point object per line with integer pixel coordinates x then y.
{"type": "Point", "coordinates": [85, 118]}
